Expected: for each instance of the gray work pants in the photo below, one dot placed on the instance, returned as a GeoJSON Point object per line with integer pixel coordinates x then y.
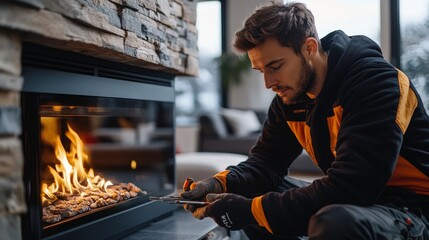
{"type": "Point", "coordinates": [387, 221]}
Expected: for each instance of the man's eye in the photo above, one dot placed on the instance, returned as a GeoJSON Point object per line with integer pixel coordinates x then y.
{"type": "Point", "coordinates": [276, 67]}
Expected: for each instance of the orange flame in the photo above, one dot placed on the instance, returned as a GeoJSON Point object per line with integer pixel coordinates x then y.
{"type": "Point", "coordinates": [70, 176]}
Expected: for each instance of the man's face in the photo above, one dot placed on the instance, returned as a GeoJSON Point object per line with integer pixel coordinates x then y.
{"type": "Point", "coordinates": [289, 75]}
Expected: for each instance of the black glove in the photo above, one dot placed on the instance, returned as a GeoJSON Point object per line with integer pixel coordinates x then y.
{"type": "Point", "coordinates": [230, 210]}
{"type": "Point", "coordinates": [198, 192]}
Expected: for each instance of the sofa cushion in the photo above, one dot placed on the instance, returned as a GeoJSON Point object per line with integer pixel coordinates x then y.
{"type": "Point", "coordinates": [213, 125]}
{"type": "Point", "coordinates": [200, 165]}
{"type": "Point", "coordinates": [241, 122]}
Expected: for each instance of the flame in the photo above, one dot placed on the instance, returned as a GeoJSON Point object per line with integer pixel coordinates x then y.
{"type": "Point", "coordinates": [133, 164]}
{"type": "Point", "coordinates": [70, 176]}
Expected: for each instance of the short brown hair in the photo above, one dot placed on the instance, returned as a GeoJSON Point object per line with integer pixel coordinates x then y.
{"type": "Point", "coordinates": [289, 23]}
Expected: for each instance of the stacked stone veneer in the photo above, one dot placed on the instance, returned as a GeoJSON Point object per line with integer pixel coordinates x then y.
{"type": "Point", "coordinates": [154, 34]}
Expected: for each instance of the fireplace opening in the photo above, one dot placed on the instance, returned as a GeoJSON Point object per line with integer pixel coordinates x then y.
{"type": "Point", "coordinates": [98, 139]}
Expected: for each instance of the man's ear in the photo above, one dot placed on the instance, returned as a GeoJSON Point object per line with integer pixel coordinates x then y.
{"type": "Point", "coordinates": [310, 47]}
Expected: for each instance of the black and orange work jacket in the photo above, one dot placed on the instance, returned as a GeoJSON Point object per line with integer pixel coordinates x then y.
{"type": "Point", "coordinates": [367, 130]}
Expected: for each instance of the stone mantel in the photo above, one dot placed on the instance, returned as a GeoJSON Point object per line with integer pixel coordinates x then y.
{"type": "Point", "coordinates": [154, 34]}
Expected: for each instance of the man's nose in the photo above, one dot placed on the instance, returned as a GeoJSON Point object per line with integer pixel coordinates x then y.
{"type": "Point", "coordinates": [269, 81]}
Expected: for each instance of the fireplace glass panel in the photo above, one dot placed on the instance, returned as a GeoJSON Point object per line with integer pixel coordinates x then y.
{"type": "Point", "coordinates": [116, 141]}
{"type": "Point", "coordinates": [105, 152]}
{"type": "Point", "coordinates": [98, 140]}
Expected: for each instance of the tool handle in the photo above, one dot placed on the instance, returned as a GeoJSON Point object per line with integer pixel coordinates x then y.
{"type": "Point", "coordinates": [187, 184]}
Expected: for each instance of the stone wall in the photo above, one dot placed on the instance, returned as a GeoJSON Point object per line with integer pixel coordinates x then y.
{"type": "Point", "coordinates": [154, 34]}
{"type": "Point", "coordinates": [11, 160]}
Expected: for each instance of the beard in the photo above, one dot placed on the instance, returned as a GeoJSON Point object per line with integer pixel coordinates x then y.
{"type": "Point", "coordinates": [306, 82]}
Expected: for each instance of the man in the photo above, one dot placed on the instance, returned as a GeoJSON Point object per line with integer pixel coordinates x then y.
{"type": "Point", "coordinates": [359, 118]}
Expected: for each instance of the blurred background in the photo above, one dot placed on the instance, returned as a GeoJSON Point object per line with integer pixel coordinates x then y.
{"type": "Point", "coordinates": [400, 27]}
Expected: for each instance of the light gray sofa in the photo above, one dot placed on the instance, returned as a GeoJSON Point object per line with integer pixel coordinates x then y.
{"type": "Point", "coordinates": [216, 136]}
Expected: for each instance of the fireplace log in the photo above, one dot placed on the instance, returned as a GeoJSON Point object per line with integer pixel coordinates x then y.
{"type": "Point", "coordinates": [69, 205]}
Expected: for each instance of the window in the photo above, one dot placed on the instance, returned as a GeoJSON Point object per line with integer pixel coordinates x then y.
{"type": "Point", "coordinates": [352, 17]}
{"type": "Point", "coordinates": [202, 93]}
{"type": "Point", "coordinates": [414, 54]}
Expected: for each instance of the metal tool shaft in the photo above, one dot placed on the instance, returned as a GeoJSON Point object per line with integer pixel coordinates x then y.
{"type": "Point", "coordinates": [191, 202]}
{"type": "Point", "coordinates": [177, 200]}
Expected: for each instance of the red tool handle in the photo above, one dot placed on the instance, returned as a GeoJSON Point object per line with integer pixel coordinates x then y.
{"type": "Point", "coordinates": [187, 184]}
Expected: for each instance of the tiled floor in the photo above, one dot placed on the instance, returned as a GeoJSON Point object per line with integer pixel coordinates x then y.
{"type": "Point", "coordinates": [180, 225]}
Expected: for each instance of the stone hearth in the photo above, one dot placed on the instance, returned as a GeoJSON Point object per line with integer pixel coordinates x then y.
{"type": "Point", "coordinates": [152, 34]}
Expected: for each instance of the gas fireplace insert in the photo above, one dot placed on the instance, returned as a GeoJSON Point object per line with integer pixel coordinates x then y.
{"type": "Point", "coordinates": [98, 139]}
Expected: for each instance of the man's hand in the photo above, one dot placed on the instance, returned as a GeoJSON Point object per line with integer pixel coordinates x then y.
{"type": "Point", "coordinates": [229, 210]}
{"type": "Point", "coordinates": [198, 192]}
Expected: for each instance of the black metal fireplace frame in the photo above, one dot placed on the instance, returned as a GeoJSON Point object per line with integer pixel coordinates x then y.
{"type": "Point", "coordinates": [67, 68]}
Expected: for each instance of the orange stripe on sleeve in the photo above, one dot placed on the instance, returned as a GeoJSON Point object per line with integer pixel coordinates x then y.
{"type": "Point", "coordinates": [221, 176]}
{"type": "Point", "coordinates": [407, 102]}
{"type": "Point", "coordinates": [258, 213]}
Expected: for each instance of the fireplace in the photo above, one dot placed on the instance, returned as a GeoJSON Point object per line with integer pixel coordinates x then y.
{"type": "Point", "coordinates": [98, 140]}
{"type": "Point", "coordinates": [145, 43]}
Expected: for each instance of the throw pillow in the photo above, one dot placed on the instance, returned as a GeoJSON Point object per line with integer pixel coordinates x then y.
{"type": "Point", "coordinates": [242, 122]}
